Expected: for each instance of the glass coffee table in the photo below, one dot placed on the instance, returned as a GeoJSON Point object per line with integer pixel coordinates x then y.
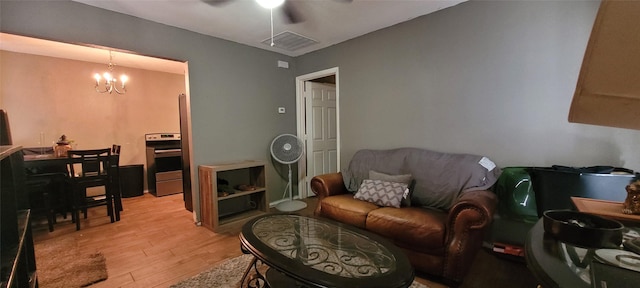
{"type": "Point", "coordinates": [310, 252]}
{"type": "Point", "coordinates": [559, 264]}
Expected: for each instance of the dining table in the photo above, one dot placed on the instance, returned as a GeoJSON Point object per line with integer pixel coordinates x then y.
{"type": "Point", "coordinates": [40, 163]}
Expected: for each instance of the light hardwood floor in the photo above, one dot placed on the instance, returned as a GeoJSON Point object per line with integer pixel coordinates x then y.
{"type": "Point", "coordinates": [157, 244]}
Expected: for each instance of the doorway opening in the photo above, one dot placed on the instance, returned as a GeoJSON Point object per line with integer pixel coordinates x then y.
{"type": "Point", "coordinates": [127, 122]}
{"type": "Point", "coordinates": [318, 124]}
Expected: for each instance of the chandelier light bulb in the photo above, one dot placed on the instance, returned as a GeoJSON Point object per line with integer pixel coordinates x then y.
{"type": "Point", "coordinates": [109, 80]}
{"type": "Point", "coordinates": [270, 4]}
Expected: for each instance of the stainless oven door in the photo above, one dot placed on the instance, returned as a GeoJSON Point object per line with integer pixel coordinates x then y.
{"type": "Point", "coordinates": [162, 153]}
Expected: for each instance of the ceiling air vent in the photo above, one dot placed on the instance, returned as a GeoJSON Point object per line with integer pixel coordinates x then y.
{"type": "Point", "coordinates": [290, 41]}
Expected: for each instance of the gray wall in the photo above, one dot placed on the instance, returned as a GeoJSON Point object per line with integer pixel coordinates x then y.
{"type": "Point", "coordinates": [235, 89]}
{"type": "Point", "coordinates": [494, 78]}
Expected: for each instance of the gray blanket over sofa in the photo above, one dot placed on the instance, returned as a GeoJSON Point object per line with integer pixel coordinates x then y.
{"type": "Point", "coordinates": [440, 178]}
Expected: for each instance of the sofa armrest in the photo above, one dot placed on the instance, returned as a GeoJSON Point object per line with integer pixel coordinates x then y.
{"type": "Point", "coordinates": [328, 184]}
{"type": "Point", "coordinates": [466, 223]}
{"type": "Point", "coordinates": [482, 203]}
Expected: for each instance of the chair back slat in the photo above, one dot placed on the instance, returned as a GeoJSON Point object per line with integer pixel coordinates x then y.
{"type": "Point", "coordinates": [91, 163]}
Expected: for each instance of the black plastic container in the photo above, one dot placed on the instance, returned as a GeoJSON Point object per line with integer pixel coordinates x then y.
{"type": "Point", "coordinates": [132, 180]}
{"type": "Point", "coordinates": [554, 187]}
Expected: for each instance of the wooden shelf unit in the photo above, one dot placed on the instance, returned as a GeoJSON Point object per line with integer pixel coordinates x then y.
{"type": "Point", "coordinates": [250, 172]}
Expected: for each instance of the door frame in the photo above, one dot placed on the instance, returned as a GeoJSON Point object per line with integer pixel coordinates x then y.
{"type": "Point", "coordinates": [300, 122]}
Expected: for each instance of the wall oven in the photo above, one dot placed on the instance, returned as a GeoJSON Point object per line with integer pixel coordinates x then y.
{"type": "Point", "coordinates": [164, 163]}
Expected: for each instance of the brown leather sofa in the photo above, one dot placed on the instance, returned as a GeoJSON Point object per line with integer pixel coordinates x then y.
{"type": "Point", "coordinates": [442, 243]}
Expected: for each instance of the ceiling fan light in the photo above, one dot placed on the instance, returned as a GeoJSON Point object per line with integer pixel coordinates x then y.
{"type": "Point", "coordinates": [270, 4]}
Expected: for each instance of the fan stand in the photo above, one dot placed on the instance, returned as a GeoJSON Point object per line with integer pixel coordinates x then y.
{"type": "Point", "coordinates": [290, 205]}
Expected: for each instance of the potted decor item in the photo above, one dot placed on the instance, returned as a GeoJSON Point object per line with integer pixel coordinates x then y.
{"type": "Point", "coordinates": [62, 146]}
{"type": "Point", "coordinates": [631, 204]}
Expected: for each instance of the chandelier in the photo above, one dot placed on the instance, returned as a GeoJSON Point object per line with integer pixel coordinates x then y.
{"type": "Point", "coordinates": [109, 83]}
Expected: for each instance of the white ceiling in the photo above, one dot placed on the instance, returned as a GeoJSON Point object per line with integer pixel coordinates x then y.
{"type": "Point", "coordinates": [328, 22]}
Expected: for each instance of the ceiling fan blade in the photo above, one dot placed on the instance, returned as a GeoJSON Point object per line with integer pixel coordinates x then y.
{"type": "Point", "coordinates": [216, 2]}
{"type": "Point", "coordinates": [292, 16]}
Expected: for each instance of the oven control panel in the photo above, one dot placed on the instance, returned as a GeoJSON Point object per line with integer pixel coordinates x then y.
{"type": "Point", "coordinates": [162, 136]}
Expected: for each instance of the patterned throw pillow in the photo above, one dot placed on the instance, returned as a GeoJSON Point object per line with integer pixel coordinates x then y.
{"type": "Point", "coordinates": [404, 178]}
{"type": "Point", "coordinates": [381, 193]}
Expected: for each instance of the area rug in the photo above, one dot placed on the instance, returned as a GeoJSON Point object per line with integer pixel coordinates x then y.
{"type": "Point", "coordinates": [228, 275]}
{"type": "Point", "coordinates": [60, 263]}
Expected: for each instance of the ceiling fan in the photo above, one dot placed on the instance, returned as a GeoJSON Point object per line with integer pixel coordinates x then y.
{"type": "Point", "coordinates": [287, 7]}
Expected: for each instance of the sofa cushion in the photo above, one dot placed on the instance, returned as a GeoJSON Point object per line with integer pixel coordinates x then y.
{"type": "Point", "coordinates": [404, 178]}
{"type": "Point", "coordinates": [346, 209]}
{"type": "Point", "coordinates": [382, 193]}
{"type": "Point", "coordinates": [417, 228]}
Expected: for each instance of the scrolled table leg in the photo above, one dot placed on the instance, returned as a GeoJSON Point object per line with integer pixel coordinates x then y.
{"type": "Point", "coordinates": [255, 279]}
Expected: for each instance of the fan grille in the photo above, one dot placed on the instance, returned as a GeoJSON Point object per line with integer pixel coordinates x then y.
{"type": "Point", "coordinates": [286, 148]}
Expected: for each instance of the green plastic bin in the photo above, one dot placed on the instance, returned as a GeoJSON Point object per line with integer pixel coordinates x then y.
{"type": "Point", "coordinates": [516, 197]}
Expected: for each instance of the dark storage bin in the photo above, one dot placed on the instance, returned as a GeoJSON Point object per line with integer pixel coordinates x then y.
{"type": "Point", "coordinates": [131, 180]}
{"type": "Point", "coordinates": [554, 186]}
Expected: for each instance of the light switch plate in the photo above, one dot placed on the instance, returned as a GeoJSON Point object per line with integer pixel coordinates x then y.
{"type": "Point", "coordinates": [281, 110]}
{"type": "Point", "coordinates": [283, 64]}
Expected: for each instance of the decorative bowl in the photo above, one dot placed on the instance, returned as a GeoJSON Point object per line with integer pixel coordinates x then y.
{"type": "Point", "coordinates": [582, 229]}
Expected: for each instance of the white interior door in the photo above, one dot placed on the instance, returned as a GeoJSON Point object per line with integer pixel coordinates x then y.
{"type": "Point", "coordinates": [328, 158]}
{"type": "Point", "coordinates": [321, 128]}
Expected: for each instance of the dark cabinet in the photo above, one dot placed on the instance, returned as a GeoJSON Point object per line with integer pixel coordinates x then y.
{"type": "Point", "coordinates": [18, 265]}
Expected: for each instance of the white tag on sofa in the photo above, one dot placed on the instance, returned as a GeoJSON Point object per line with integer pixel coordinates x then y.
{"type": "Point", "coordinates": [405, 194]}
{"type": "Point", "coordinates": [487, 164]}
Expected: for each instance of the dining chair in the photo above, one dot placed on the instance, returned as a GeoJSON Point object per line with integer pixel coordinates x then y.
{"type": "Point", "coordinates": [45, 186]}
{"type": "Point", "coordinates": [115, 165]}
{"type": "Point", "coordinates": [45, 192]}
{"type": "Point", "coordinates": [91, 168]}
{"type": "Point", "coordinates": [115, 149]}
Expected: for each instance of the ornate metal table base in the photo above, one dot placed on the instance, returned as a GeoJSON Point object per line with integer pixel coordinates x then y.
{"type": "Point", "coordinates": [255, 279]}
{"type": "Point", "coordinates": [270, 278]}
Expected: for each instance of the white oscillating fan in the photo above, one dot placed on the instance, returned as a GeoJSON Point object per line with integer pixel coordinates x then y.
{"type": "Point", "coordinates": [287, 149]}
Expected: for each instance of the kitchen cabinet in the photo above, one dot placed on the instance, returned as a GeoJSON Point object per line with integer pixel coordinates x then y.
{"type": "Point", "coordinates": [232, 204]}
{"type": "Point", "coordinates": [608, 88]}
